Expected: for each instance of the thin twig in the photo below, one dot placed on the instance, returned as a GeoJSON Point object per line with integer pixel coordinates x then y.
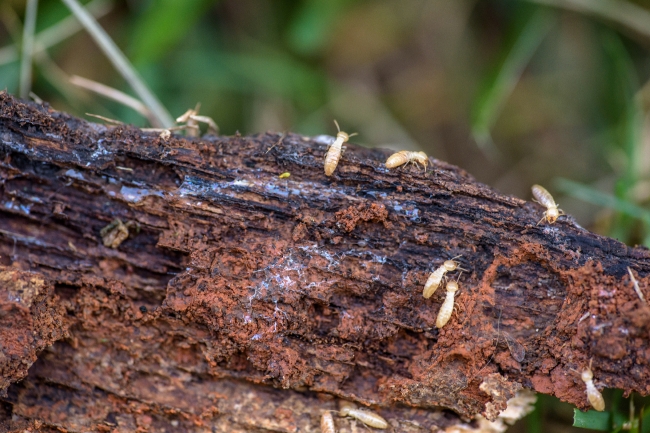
{"type": "Point", "coordinates": [35, 98]}
{"type": "Point", "coordinates": [496, 344]}
{"type": "Point", "coordinates": [27, 49]}
{"type": "Point", "coordinates": [113, 94]}
{"type": "Point", "coordinates": [173, 128]}
{"type": "Point", "coordinates": [636, 286]}
{"type": "Point", "coordinates": [284, 134]}
{"type": "Point", "coordinates": [105, 119]}
{"type": "Point", "coordinates": [121, 63]}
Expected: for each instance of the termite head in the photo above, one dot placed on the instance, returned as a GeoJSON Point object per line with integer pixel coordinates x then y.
{"type": "Point", "coordinates": [452, 286]}
{"type": "Point", "coordinates": [552, 214]}
{"type": "Point", "coordinates": [587, 374]}
{"type": "Point", "coordinates": [342, 135]}
{"type": "Point", "coordinates": [422, 157]}
{"type": "Point", "coordinates": [345, 407]}
{"type": "Point", "coordinates": [450, 265]}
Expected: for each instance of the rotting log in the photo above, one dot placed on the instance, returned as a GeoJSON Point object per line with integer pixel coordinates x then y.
{"type": "Point", "coordinates": [246, 302]}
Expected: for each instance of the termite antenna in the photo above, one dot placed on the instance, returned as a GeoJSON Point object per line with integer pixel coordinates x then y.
{"type": "Point", "coordinates": [337, 125]}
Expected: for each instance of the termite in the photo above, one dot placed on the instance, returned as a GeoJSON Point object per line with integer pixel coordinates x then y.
{"type": "Point", "coordinates": [436, 276]}
{"type": "Point", "coordinates": [284, 175]}
{"type": "Point", "coordinates": [448, 305]}
{"type": "Point", "coordinates": [593, 395]}
{"type": "Point", "coordinates": [334, 150]}
{"type": "Point", "coordinates": [545, 198]}
{"type": "Point", "coordinates": [407, 157]}
{"type": "Point", "coordinates": [365, 416]}
{"type": "Point", "coordinates": [327, 423]}
{"type": "Point", "coordinates": [117, 232]}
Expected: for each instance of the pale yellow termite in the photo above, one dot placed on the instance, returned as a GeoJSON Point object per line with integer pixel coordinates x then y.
{"type": "Point", "coordinates": [365, 416]}
{"type": "Point", "coordinates": [406, 157]}
{"type": "Point", "coordinates": [334, 152]}
{"type": "Point", "coordinates": [545, 198]}
{"type": "Point", "coordinates": [593, 395]}
{"type": "Point", "coordinates": [327, 423]}
{"type": "Point", "coordinates": [436, 277]}
{"type": "Point", "coordinates": [448, 305]}
{"type": "Point", "coordinates": [284, 175]}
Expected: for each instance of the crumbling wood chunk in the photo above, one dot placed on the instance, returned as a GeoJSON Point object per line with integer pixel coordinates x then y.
{"type": "Point", "coordinates": [31, 319]}
{"type": "Point", "coordinates": [242, 288]}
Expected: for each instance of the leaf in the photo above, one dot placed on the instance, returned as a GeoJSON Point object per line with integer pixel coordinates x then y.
{"type": "Point", "coordinates": [591, 419]}
{"type": "Point", "coordinates": [500, 84]}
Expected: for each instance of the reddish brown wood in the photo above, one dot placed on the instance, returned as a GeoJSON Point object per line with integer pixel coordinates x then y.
{"type": "Point", "coordinates": [248, 302]}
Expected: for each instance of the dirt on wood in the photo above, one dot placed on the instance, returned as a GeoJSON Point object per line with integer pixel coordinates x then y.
{"type": "Point", "coordinates": [246, 302]}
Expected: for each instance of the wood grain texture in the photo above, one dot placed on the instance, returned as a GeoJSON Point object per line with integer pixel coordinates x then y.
{"type": "Point", "coordinates": [252, 303]}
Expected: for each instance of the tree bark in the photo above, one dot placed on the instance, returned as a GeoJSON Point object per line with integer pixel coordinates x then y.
{"type": "Point", "coordinates": [229, 299]}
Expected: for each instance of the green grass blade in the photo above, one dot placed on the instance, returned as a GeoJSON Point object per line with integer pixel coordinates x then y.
{"type": "Point", "coordinates": [592, 420]}
{"type": "Point", "coordinates": [27, 49]}
{"type": "Point", "coordinates": [593, 196]}
{"type": "Point", "coordinates": [644, 420]}
{"type": "Point", "coordinates": [57, 32]}
{"type": "Point", "coordinates": [120, 62]}
{"type": "Point", "coordinates": [534, 421]}
{"type": "Point", "coordinates": [162, 26]}
{"type": "Point", "coordinates": [627, 123]}
{"type": "Point", "coordinates": [621, 13]}
{"type": "Point", "coordinates": [500, 84]}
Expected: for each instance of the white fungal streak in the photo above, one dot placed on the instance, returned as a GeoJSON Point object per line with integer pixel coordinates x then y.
{"type": "Point", "coordinates": [593, 395]}
{"type": "Point", "coordinates": [334, 152]}
{"type": "Point", "coordinates": [436, 276]}
{"type": "Point", "coordinates": [327, 423]}
{"type": "Point", "coordinates": [543, 197]}
{"type": "Point", "coordinates": [365, 416]}
{"type": "Point", "coordinates": [636, 286]}
{"type": "Point", "coordinates": [406, 157]}
{"type": "Point", "coordinates": [448, 305]}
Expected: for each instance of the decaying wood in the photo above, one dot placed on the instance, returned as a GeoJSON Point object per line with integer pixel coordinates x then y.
{"type": "Point", "coordinates": [246, 302]}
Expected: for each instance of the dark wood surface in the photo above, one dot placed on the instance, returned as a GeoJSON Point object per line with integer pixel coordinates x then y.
{"type": "Point", "coordinates": [244, 302]}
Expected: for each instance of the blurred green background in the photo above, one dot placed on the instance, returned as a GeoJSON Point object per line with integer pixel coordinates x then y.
{"type": "Point", "coordinates": [516, 92]}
